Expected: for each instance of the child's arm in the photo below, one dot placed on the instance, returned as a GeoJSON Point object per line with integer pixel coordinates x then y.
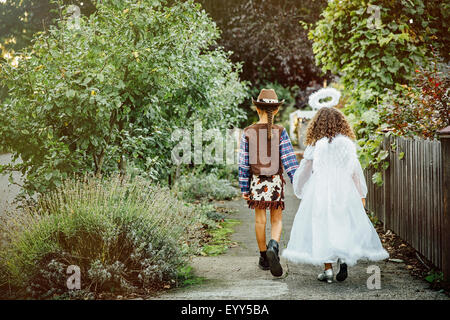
{"type": "Point", "coordinates": [304, 172]}
{"type": "Point", "coordinates": [244, 168]}
{"type": "Point", "coordinates": [287, 155]}
{"type": "Point", "coordinates": [360, 181]}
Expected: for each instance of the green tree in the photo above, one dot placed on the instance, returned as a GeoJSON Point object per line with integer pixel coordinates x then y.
{"type": "Point", "coordinates": [95, 93]}
{"type": "Point", "coordinates": [270, 38]}
{"type": "Point", "coordinates": [20, 19]}
{"type": "Point", "coordinates": [375, 46]}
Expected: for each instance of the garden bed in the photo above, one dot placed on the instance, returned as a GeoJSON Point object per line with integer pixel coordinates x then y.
{"type": "Point", "coordinates": [417, 265]}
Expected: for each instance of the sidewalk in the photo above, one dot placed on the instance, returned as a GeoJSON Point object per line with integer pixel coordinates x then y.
{"type": "Point", "coordinates": [7, 192]}
{"type": "Point", "coordinates": [235, 275]}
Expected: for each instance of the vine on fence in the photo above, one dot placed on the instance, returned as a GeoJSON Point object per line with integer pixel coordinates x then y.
{"type": "Point", "coordinates": [375, 47]}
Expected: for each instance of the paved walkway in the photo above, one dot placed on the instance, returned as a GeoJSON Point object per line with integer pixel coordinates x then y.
{"type": "Point", "coordinates": [235, 274]}
{"type": "Point", "coordinates": [7, 191]}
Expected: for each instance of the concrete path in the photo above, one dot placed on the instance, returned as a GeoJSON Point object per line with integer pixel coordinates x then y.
{"type": "Point", "coordinates": [7, 191]}
{"type": "Point", "coordinates": [235, 274]}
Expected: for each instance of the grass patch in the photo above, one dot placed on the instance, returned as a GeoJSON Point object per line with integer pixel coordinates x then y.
{"type": "Point", "coordinates": [186, 277]}
{"type": "Point", "coordinates": [220, 238]}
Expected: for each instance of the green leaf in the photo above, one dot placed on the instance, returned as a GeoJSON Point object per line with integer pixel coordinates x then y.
{"type": "Point", "coordinates": [383, 154]}
{"type": "Point", "coordinates": [70, 93]}
{"type": "Point", "coordinates": [377, 178]}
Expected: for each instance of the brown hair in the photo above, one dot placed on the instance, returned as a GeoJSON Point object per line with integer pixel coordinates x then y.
{"type": "Point", "coordinates": [269, 110]}
{"type": "Point", "coordinates": [328, 122]}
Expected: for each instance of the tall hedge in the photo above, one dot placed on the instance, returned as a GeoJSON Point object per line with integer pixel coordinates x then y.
{"type": "Point", "coordinates": [96, 93]}
{"type": "Point", "coordinates": [375, 46]}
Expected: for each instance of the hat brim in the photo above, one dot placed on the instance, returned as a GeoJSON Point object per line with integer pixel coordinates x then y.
{"type": "Point", "coordinates": [267, 104]}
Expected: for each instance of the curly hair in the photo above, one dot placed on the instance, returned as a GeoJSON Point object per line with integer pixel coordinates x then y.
{"type": "Point", "coordinates": [328, 122]}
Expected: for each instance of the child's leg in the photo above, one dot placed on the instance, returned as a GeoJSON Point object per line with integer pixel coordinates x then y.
{"type": "Point", "coordinates": [276, 216]}
{"type": "Point", "coordinates": [273, 248]}
{"type": "Point", "coordinates": [260, 228]}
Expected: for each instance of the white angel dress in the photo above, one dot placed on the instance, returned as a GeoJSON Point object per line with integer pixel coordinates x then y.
{"type": "Point", "coordinates": [331, 222]}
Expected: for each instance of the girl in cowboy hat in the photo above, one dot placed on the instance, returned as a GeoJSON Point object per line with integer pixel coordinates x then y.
{"type": "Point", "coordinates": [265, 149]}
{"type": "Point", "coordinates": [331, 223]}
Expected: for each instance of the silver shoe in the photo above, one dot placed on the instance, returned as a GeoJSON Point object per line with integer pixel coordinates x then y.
{"type": "Point", "coordinates": [326, 275]}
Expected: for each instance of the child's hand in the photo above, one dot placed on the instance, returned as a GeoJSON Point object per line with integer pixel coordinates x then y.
{"type": "Point", "coordinates": [245, 196]}
{"type": "Point", "coordinates": [364, 202]}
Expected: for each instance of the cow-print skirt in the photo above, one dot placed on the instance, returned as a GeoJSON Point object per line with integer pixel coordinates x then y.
{"type": "Point", "coordinates": [266, 192]}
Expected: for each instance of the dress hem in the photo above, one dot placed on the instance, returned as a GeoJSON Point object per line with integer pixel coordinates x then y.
{"type": "Point", "coordinates": [303, 258]}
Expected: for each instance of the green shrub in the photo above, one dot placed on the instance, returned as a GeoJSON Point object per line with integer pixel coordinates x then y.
{"type": "Point", "coordinates": [375, 47]}
{"type": "Point", "coordinates": [227, 172]}
{"type": "Point", "coordinates": [205, 187]}
{"type": "Point", "coordinates": [220, 238]}
{"type": "Point", "coordinates": [93, 94]}
{"type": "Point", "coordinates": [124, 235]}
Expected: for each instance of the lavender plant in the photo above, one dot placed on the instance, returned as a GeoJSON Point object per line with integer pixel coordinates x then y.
{"type": "Point", "coordinates": [124, 235]}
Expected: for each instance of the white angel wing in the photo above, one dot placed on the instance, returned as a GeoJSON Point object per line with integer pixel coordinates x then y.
{"type": "Point", "coordinates": [303, 173]}
{"type": "Point", "coordinates": [340, 154]}
{"type": "Point", "coordinates": [359, 179]}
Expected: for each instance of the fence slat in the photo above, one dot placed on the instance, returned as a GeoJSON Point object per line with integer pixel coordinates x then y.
{"type": "Point", "coordinates": [410, 203]}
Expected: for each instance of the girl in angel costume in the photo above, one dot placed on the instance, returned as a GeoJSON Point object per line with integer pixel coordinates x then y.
{"type": "Point", "coordinates": [331, 224]}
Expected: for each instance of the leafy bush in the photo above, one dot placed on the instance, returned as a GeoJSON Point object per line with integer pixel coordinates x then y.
{"type": "Point", "coordinates": [420, 109]}
{"type": "Point", "coordinates": [370, 54]}
{"type": "Point", "coordinates": [374, 57]}
{"type": "Point", "coordinates": [204, 187]}
{"type": "Point", "coordinates": [124, 235]}
{"type": "Point", "coordinates": [227, 172]}
{"type": "Point", "coordinates": [93, 94]}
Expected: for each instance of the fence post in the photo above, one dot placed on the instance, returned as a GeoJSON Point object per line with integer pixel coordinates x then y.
{"type": "Point", "coordinates": [444, 136]}
{"type": "Point", "coordinates": [387, 185]}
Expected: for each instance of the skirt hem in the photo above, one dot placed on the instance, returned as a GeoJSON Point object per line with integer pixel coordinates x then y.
{"type": "Point", "coordinates": [260, 204]}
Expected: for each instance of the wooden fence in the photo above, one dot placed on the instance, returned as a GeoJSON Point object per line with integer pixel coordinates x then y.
{"type": "Point", "coordinates": [411, 200]}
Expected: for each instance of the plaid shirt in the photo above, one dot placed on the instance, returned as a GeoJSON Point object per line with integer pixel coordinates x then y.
{"type": "Point", "coordinates": [287, 156]}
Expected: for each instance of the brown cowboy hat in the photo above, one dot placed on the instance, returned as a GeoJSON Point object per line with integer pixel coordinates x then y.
{"type": "Point", "coordinates": [267, 98]}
